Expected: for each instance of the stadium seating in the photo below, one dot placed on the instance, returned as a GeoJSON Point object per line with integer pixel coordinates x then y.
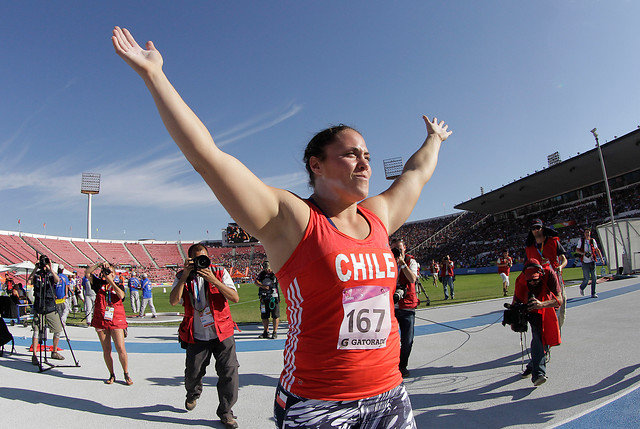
{"type": "Point", "coordinates": [114, 253]}
{"type": "Point", "coordinates": [164, 253]}
{"type": "Point", "coordinates": [87, 250]}
{"type": "Point", "coordinates": [140, 254]}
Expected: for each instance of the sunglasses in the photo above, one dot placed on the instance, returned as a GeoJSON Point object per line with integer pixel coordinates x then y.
{"type": "Point", "coordinates": [536, 227]}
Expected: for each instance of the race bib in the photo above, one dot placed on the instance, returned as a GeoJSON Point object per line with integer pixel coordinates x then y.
{"type": "Point", "coordinates": [367, 318]}
{"type": "Point", "coordinates": [206, 317]}
{"type": "Point", "coordinates": [108, 313]}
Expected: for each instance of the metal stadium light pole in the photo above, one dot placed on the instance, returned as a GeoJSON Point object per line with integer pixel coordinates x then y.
{"type": "Point", "coordinates": [90, 185]}
{"type": "Point", "coordinates": [606, 187]}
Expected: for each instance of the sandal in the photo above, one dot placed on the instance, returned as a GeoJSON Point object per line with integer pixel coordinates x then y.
{"type": "Point", "coordinates": [127, 379]}
{"type": "Point", "coordinates": [111, 379]}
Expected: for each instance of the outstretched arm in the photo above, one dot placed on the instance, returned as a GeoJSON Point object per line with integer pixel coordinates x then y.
{"type": "Point", "coordinates": [256, 207]}
{"type": "Point", "coordinates": [394, 205]}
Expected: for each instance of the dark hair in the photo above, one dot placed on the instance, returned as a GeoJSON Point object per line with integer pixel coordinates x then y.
{"type": "Point", "coordinates": [316, 146]}
{"type": "Point", "coordinates": [195, 248]}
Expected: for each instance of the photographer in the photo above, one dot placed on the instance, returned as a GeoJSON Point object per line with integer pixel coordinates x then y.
{"type": "Point", "coordinates": [267, 283]}
{"type": "Point", "coordinates": [543, 244]}
{"type": "Point", "coordinates": [44, 280]}
{"type": "Point", "coordinates": [538, 286]}
{"type": "Point", "coordinates": [405, 299]}
{"type": "Point", "coordinates": [589, 252]}
{"type": "Point", "coordinates": [448, 276]}
{"type": "Point", "coordinates": [109, 317]}
{"type": "Point", "coordinates": [207, 329]}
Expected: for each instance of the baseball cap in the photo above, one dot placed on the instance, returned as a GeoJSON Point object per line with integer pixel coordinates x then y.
{"type": "Point", "coordinates": [536, 222]}
{"type": "Point", "coordinates": [532, 269]}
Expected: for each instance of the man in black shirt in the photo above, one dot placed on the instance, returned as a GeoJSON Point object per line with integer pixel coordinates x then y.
{"type": "Point", "coordinates": [269, 300]}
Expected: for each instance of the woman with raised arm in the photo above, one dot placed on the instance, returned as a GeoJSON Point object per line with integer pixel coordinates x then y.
{"type": "Point", "coordinates": [109, 318]}
{"type": "Point", "coordinates": [330, 253]}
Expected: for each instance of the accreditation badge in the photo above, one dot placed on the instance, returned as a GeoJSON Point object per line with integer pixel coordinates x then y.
{"type": "Point", "coordinates": [206, 317]}
{"type": "Point", "coordinates": [108, 313]}
{"type": "Point", "coordinates": [367, 318]}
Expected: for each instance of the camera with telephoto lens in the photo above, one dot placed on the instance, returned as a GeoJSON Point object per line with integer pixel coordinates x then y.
{"type": "Point", "coordinates": [42, 262]}
{"type": "Point", "coordinates": [399, 293]}
{"type": "Point", "coordinates": [201, 262]}
{"type": "Point", "coordinates": [396, 252]}
{"type": "Point", "coordinates": [516, 315]}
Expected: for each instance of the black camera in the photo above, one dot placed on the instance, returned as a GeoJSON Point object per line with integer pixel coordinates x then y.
{"type": "Point", "coordinates": [105, 271]}
{"type": "Point", "coordinates": [396, 252]}
{"type": "Point", "coordinates": [516, 315]}
{"type": "Point", "coordinates": [399, 293]}
{"type": "Point", "coordinates": [201, 262]}
{"type": "Point", "coordinates": [587, 255]}
{"type": "Point", "coordinates": [42, 262]}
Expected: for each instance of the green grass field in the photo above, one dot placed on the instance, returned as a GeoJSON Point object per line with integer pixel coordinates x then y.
{"type": "Point", "coordinates": [468, 288]}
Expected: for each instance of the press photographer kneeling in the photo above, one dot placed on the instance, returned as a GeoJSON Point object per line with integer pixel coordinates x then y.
{"type": "Point", "coordinates": [539, 288]}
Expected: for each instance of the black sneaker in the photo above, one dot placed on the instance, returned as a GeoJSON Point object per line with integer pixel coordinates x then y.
{"type": "Point", "coordinates": [34, 360]}
{"type": "Point", "coordinates": [595, 295]}
{"type": "Point", "coordinates": [526, 373]}
{"type": "Point", "coordinates": [265, 334]}
{"type": "Point", "coordinates": [274, 335]}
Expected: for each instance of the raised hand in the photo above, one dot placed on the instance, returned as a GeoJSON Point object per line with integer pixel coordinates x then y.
{"type": "Point", "coordinates": [141, 60]}
{"type": "Point", "coordinates": [438, 129]}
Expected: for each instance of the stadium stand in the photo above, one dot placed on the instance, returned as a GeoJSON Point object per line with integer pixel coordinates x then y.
{"type": "Point", "coordinates": [67, 251]}
{"type": "Point", "coordinates": [114, 253]}
{"type": "Point", "coordinates": [164, 253]}
{"type": "Point", "coordinates": [87, 250]}
{"type": "Point", "coordinates": [17, 247]}
{"type": "Point", "coordinates": [141, 255]}
{"type": "Point", "coordinates": [35, 243]}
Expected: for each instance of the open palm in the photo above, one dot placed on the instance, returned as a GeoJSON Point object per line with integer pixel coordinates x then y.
{"type": "Point", "coordinates": [139, 59]}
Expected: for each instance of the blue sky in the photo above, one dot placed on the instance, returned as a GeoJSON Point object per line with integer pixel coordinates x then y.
{"type": "Point", "coordinates": [515, 81]}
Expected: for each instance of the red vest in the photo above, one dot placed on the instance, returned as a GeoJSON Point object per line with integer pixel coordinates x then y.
{"type": "Point", "coordinates": [548, 254]}
{"type": "Point", "coordinates": [217, 303]}
{"type": "Point", "coordinates": [505, 269]}
{"type": "Point", "coordinates": [119, 320]}
{"type": "Point", "coordinates": [410, 299]}
{"type": "Point", "coordinates": [550, 326]}
{"type": "Point", "coordinates": [581, 248]}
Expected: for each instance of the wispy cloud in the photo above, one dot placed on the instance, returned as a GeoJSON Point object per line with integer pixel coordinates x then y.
{"type": "Point", "coordinates": [149, 180]}
{"type": "Point", "coordinates": [257, 124]}
{"type": "Point", "coordinates": [9, 141]}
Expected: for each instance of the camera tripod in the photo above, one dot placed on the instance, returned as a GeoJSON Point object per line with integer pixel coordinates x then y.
{"type": "Point", "coordinates": [45, 283]}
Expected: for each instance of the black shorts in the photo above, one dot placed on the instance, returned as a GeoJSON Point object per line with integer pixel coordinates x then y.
{"type": "Point", "coordinates": [269, 308]}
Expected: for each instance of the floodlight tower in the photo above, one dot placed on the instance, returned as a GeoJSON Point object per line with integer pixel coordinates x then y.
{"type": "Point", "coordinates": [90, 185]}
{"type": "Point", "coordinates": [392, 168]}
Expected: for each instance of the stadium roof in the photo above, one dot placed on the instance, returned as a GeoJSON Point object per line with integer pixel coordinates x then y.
{"type": "Point", "coordinates": [621, 156]}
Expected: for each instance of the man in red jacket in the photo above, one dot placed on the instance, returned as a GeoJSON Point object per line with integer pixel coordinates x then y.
{"type": "Point", "coordinates": [538, 287]}
{"type": "Point", "coordinates": [207, 329]}
{"type": "Point", "coordinates": [407, 300]}
{"type": "Point", "coordinates": [544, 245]}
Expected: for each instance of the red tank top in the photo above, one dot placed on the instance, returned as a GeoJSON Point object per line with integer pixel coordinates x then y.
{"type": "Point", "coordinates": [343, 341]}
